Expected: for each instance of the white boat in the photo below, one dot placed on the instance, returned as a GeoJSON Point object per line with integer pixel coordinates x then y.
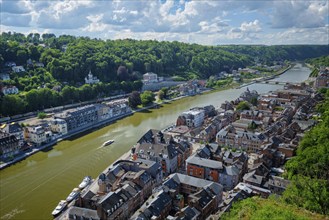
{"type": "Point", "coordinates": [73, 195]}
{"type": "Point", "coordinates": [59, 208]}
{"type": "Point", "coordinates": [85, 182]}
{"type": "Point", "coordinates": [108, 142]}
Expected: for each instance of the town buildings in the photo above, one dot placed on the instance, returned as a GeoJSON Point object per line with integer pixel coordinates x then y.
{"type": "Point", "coordinates": [193, 187]}
{"type": "Point", "coordinates": [182, 196]}
{"type": "Point", "coordinates": [159, 147]}
{"type": "Point", "coordinates": [7, 90]}
{"type": "Point", "coordinates": [120, 190]}
{"type": "Point", "coordinates": [13, 129]}
{"type": "Point", "coordinates": [38, 133]}
{"type": "Point", "coordinates": [9, 145]}
{"type": "Point", "coordinates": [58, 126]}
{"type": "Point", "coordinates": [79, 117]}
{"type": "Point", "coordinates": [35, 134]}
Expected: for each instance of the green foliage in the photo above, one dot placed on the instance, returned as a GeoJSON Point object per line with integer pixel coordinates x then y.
{"type": "Point", "coordinates": [178, 78]}
{"type": "Point", "coordinates": [165, 91]}
{"type": "Point", "coordinates": [161, 95]}
{"type": "Point", "coordinates": [254, 101]}
{"type": "Point", "coordinates": [212, 83]}
{"type": "Point", "coordinates": [38, 99]}
{"type": "Point", "coordinates": [314, 73]}
{"type": "Point", "coordinates": [42, 115]}
{"type": "Point", "coordinates": [319, 61]}
{"type": "Point", "coordinates": [147, 98]}
{"type": "Point", "coordinates": [309, 193]}
{"type": "Point", "coordinates": [12, 105]}
{"type": "Point", "coordinates": [244, 105]}
{"type": "Point", "coordinates": [256, 208]}
{"type": "Point", "coordinates": [278, 108]}
{"type": "Point", "coordinates": [134, 99]}
{"type": "Point", "coordinates": [252, 126]}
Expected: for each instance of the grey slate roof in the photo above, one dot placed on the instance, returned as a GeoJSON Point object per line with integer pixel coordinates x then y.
{"type": "Point", "coordinates": [176, 179]}
{"type": "Point", "coordinates": [253, 178]}
{"type": "Point", "coordinates": [78, 213]}
{"type": "Point", "coordinates": [232, 170]}
{"type": "Point", "coordinates": [156, 149]}
{"type": "Point", "coordinates": [189, 213]}
{"type": "Point", "coordinates": [14, 127]}
{"type": "Point", "coordinates": [204, 162]}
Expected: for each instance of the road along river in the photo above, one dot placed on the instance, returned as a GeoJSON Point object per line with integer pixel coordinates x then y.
{"type": "Point", "coordinates": [31, 189]}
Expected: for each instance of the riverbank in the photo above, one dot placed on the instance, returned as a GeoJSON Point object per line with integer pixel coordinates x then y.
{"type": "Point", "coordinates": [82, 131]}
{"type": "Point", "coordinates": [265, 78]}
{"type": "Point", "coordinates": [89, 128]}
{"type": "Point", "coordinates": [76, 133]}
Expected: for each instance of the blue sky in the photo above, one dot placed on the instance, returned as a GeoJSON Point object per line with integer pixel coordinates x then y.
{"type": "Point", "coordinates": [203, 22]}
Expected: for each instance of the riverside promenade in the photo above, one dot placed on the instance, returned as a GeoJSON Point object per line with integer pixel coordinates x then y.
{"type": "Point", "coordinates": [87, 128]}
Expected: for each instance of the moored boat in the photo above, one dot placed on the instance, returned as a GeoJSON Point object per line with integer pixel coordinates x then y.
{"type": "Point", "coordinates": [73, 195]}
{"type": "Point", "coordinates": [59, 208]}
{"type": "Point", "coordinates": [85, 182]}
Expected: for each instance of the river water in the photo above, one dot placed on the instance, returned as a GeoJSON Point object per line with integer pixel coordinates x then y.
{"type": "Point", "coordinates": [32, 188]}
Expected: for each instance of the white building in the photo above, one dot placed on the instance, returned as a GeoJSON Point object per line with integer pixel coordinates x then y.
{"type": "Point", "coordinates": [90, 79]}
{"type": "Point", "coordinates": [150, 78]}
{"type": "Point", "coordinates": [35, 134]}
{"type": "Point", "coordinates": [7, 90]}
{"type": "Point", "coordinates": [18, 69]}
{"type": "Point", "coordinates": [194, 118]}
{"type": "Point", "coordinates": [59, 126]}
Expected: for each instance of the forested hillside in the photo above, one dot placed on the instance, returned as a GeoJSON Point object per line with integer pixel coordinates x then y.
{"type": "Point", "coordinates": [119, 64]}
{"type": "Point", "coordinates": [164, 58]}
{"type": "Point", "coordinates": [319, 61]}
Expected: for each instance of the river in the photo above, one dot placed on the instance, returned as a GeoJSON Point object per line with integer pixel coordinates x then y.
{"type": "Point", "coordinates": [31, 189]}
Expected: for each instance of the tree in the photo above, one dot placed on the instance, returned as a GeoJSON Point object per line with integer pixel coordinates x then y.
{"type": "Point", "coordinates": [160, 94]}
{"type": "Point", "coordinates": [42, 115]}
{"type": "Point", "coordinates": [252, 126]}
{"type": "Point", "coordinates": [254, 101]}
{"type": "Point", "coordinates": [134, 99]}
{"type": "Point", "coordinates": [244, 105]}
{"type": "Point", "coordinates": [12, 105]}
{"type": "Point", "coordinates": [147, 97]}
{"type": "Point", "coordinates": [122, 73]}
{"type": "Point", "coordinates": [165, 91]}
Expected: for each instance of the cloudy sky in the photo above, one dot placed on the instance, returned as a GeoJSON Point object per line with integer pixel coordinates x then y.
{"type": "Point", "coordinates": [204, 22]}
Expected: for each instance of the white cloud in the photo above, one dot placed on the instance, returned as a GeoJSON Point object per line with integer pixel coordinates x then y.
{"type": "Point", "coordinates": [300, 14]}
{"type": "Point", "coordinates": [250, 27]}
{"type": "Point", "coordinates": [96, 25]}
{"type": "Point", "coordinates": [205, 22]}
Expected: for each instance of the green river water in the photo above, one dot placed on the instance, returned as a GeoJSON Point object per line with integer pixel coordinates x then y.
{"type": "Point", "coordinates": [31, 189]}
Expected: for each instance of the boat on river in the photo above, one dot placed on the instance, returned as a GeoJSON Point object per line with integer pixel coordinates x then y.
{"type": "Point", "coordinates": [59, 208]}
{"type": "Point", "coordinates": [108, 142]}
{"type": "Point", "coordinates": [85, 182]}
{"type": "Point", "coordinates": [73, 195]}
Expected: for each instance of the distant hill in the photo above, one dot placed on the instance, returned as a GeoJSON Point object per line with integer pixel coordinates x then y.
{"type": "Point", "coordinates": [103, 58]}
